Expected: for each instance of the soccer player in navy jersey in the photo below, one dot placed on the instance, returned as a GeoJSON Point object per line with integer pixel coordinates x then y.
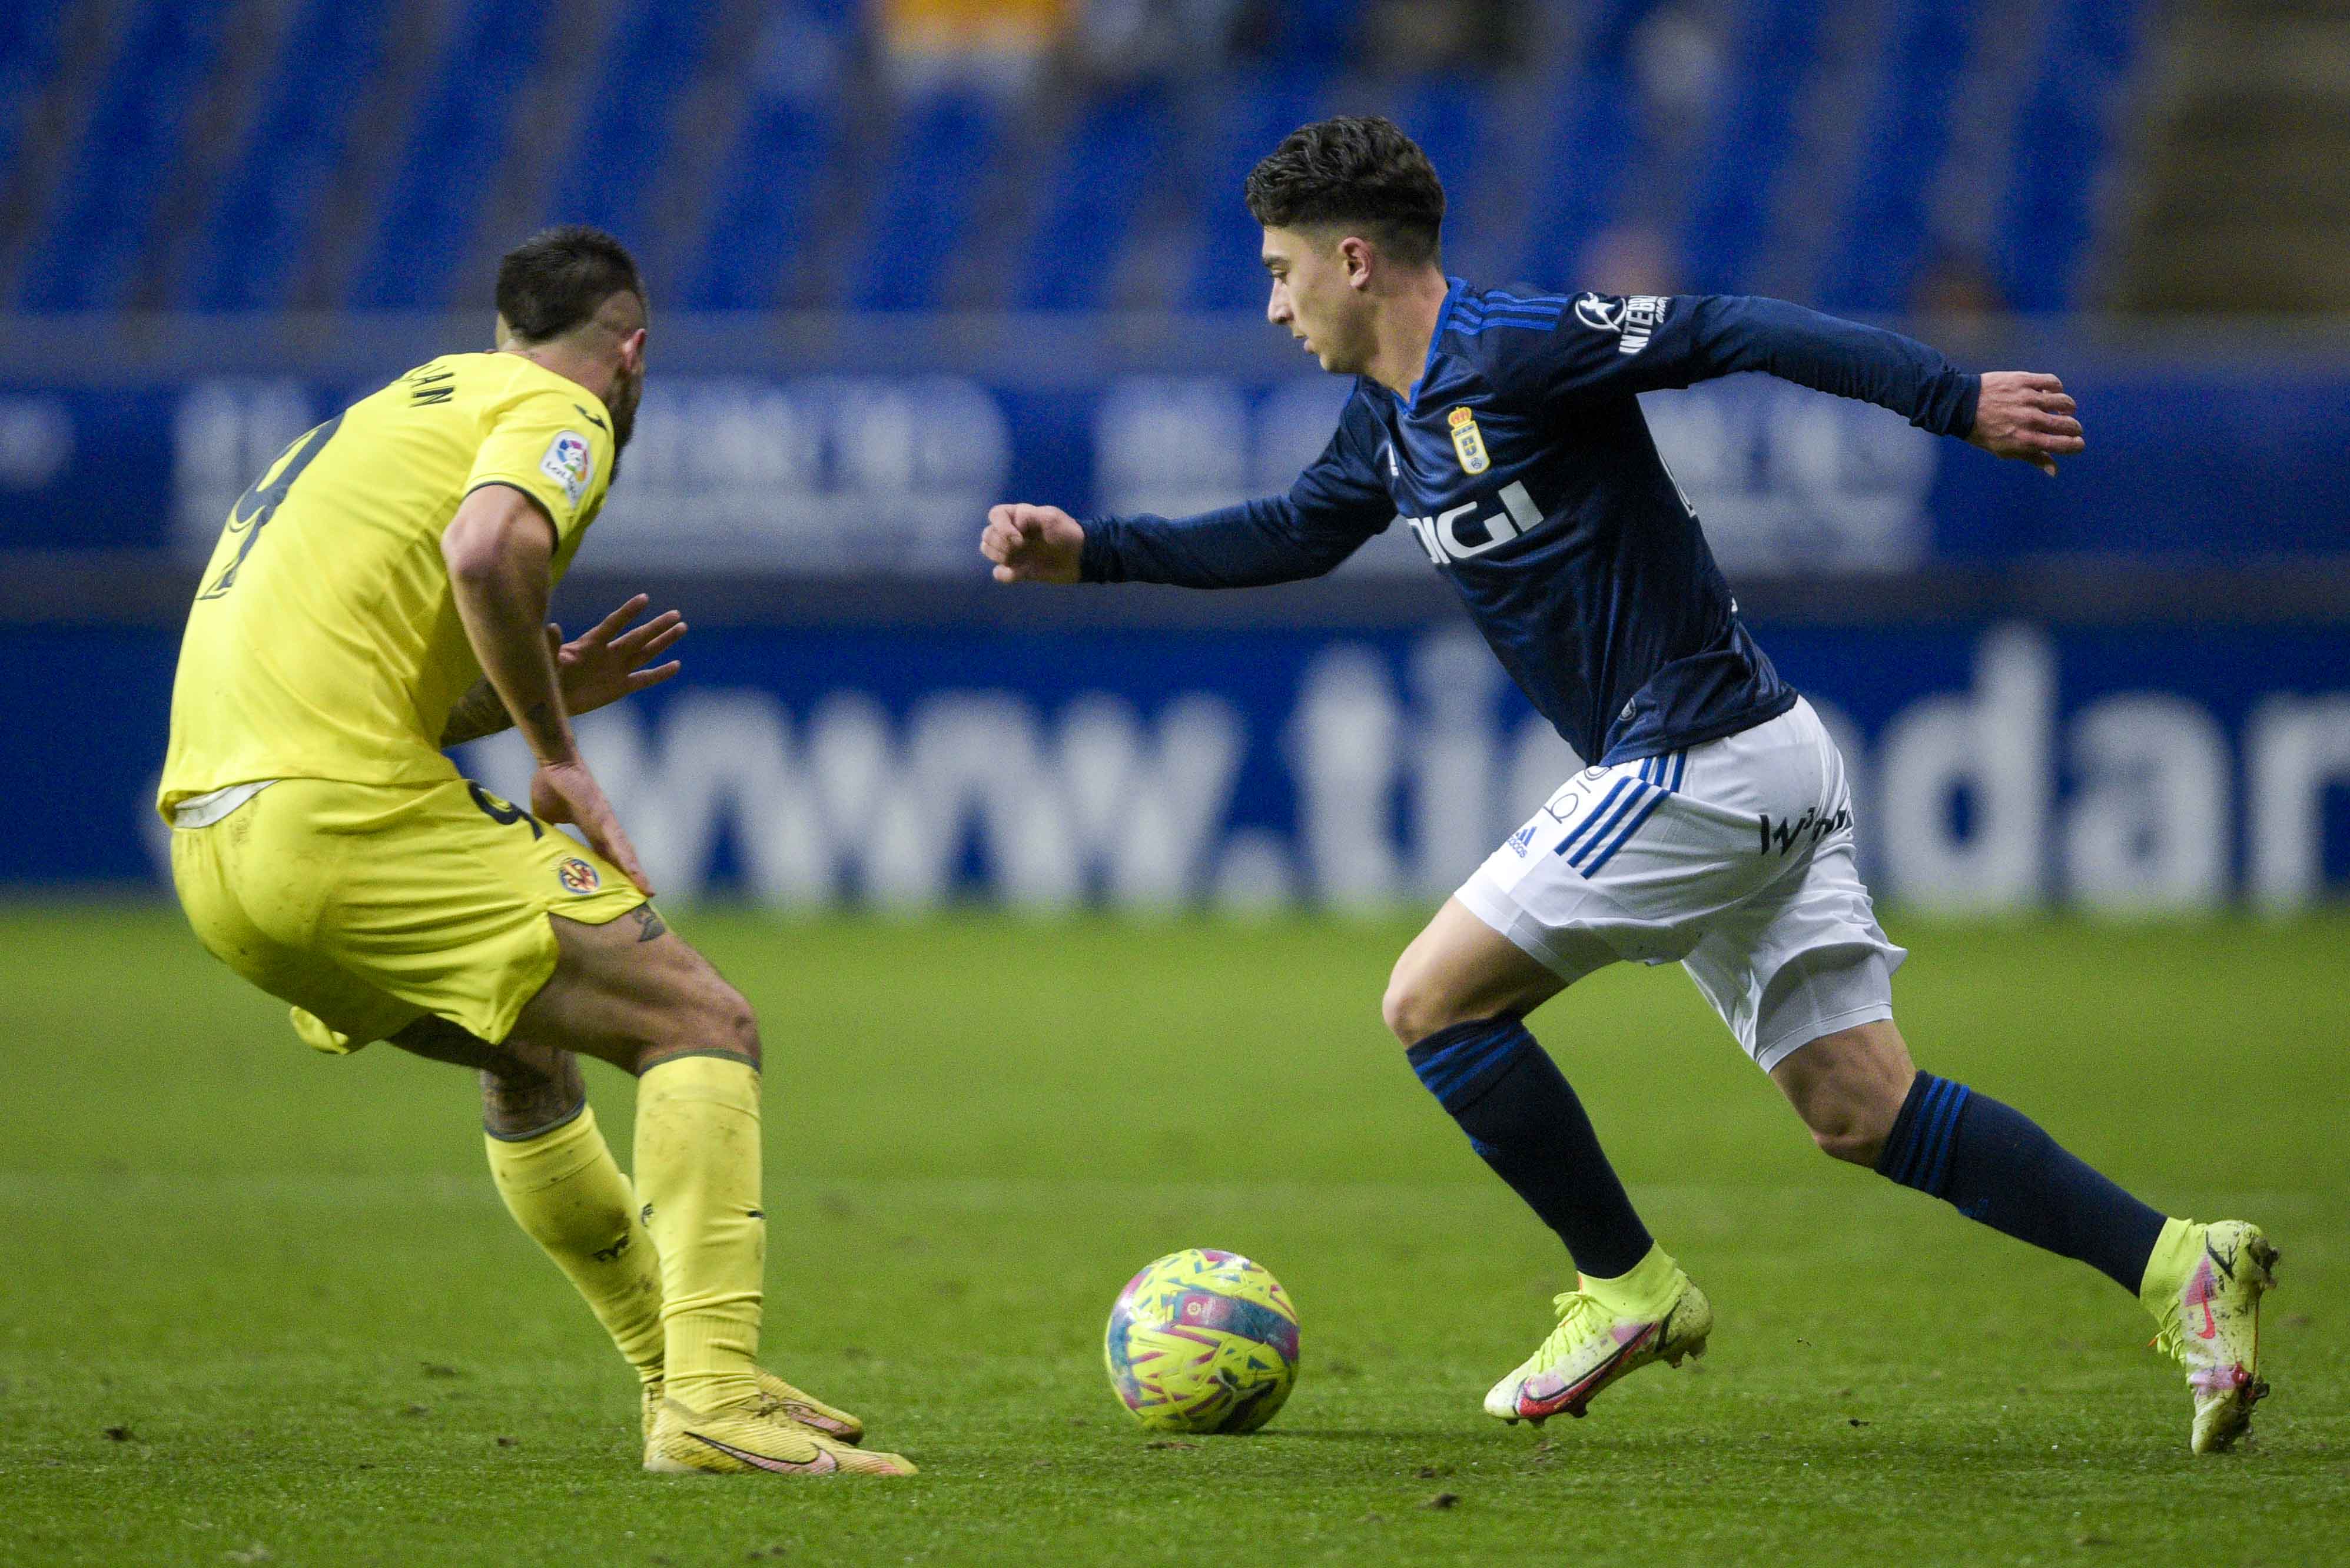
{"type": "Point", "coordinates": [1714, 823]}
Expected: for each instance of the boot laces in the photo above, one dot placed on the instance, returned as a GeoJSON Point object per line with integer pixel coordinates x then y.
{"type": "Point", "coordinates": [1580, 1317]}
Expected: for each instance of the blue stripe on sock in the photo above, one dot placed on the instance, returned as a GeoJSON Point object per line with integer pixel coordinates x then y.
{"type": "Point", "coordinates": [1483, 1048]}
{"type": "Point", "coordinates": [1905, 1168]}
{"type": "Point", "coordinates": [1938, 1160]}
{"type": "Point", "coordinates": [1625, 837]}
{"type": "Point", "coordinates": [1931, 1136]}
{"type": "Point", "coordinates": [1639, 792]}
{"type": "Point", "coordinates": [1447, 1069]}
{"type": "Point", "coordinates": [1921, 1133]}
{"type": "Point", "coordinates": [1930, 1130]}
{"type": "Point", "coordinates": [1585, 825]}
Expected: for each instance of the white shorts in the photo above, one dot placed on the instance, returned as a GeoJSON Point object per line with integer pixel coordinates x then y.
{"type": "Point", "coordinates": [1734, 857]}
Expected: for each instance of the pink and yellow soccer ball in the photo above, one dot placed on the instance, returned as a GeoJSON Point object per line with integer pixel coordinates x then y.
{"type": "Point", "coordinates": [1202, 1341]}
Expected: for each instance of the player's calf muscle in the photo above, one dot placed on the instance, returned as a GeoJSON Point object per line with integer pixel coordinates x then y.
{"type": "Point", "coordinates": [1848, 1088]}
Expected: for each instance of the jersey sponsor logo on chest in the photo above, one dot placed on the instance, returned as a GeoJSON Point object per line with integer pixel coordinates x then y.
{"type": "Point", "coordinates": [1445, 536]}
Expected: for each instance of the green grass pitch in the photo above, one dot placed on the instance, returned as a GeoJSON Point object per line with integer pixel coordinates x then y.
{"type": "Point", "coordinates": [263, 1306]}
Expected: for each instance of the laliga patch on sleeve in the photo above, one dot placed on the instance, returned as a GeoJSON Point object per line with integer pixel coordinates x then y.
{"type": "Point", "coordinates": [568, 464]}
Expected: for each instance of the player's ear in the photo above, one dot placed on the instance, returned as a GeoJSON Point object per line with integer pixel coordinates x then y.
{"type": "Point", "coordinates": [504, 333]}
{"type": "Point", "coordinates": [1355, 256]}
{"type": "Point", "coordinates": [632, 351]}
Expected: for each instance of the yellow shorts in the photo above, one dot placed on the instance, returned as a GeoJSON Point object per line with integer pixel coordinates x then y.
{"type": "Point", "coordinates": [368, 906]}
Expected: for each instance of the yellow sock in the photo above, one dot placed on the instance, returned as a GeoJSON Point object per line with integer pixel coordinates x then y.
{"type": "Point", "coordinates": [2167, 1266]}
{"type": "Point", "coordinates": [1647, 1291]}
{"type": "Point", "coordinates": [564, 1191]}
{"type": "Point", "coordinates": [698, 1171]}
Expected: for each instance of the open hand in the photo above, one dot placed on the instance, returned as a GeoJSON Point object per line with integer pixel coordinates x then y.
{"type": "Point", "coordinates": [2025, 415]}
{"type": "Point", "coordinates": [605, 663]}
{"type": "Point", "coordinates": [568, 791]}
{"type": "Point", "coordinates": [1033, 543]}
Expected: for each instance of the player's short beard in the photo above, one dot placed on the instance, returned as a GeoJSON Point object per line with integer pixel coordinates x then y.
{"type": "Point", "coordinates": [621, 404]}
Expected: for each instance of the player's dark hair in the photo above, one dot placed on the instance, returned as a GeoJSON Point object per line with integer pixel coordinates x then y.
{"type": "Point", "coordinates": [1353, 172]}
{"type": "Point", "coordinates": [558, 278]}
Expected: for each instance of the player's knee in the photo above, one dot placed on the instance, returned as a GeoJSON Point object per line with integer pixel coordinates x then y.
{"type": "Point", "coordinates": [1852, 1126]}
{"type": "Point", "coordinates": [1848, 1141]}
{"type": "Point", "coordinates": [1415, 1005]}
{"type": "Point", "coordinates": [727, 1023]}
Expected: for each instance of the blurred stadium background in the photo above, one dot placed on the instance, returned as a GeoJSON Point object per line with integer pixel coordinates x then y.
{"type": "Point", "coordinates": [915, 256]}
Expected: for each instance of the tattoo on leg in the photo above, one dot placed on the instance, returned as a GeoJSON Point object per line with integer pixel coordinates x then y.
{"type": "Point", "coordinates": [522, 1098]}
{"type": "Point", "coordinates": [648, 922]}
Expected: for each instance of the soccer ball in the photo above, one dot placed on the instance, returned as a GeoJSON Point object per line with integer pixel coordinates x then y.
{"type": "Point", "coordinates": [1202, 1341]}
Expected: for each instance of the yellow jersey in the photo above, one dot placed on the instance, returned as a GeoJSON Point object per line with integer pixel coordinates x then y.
{"type": "Point", "coordinates": [324, 642]}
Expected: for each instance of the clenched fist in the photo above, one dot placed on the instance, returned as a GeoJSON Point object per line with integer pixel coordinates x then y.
{"type": "Point", "coordinates": [1033, 543]}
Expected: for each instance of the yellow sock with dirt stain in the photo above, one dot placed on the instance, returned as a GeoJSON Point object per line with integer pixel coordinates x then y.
{"type": "Point", "coordinates": [566, 1192]}
{"type": "Point", "coordinates": [698, 1173]}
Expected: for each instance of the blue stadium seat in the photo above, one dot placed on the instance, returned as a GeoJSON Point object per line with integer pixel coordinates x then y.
{"type": "Point", "coordinates": [260, 227]}
{"type": "Point", "coordinates": [1882, 239]}
{"type": "Point", "coordinates": [654, 53]}
{"type": "Point", "coordinates": [459, 136]}
{"type": "Point", "coordinates": [2062, 137]}
{"type": "Point", "coordinates": [1249, 119]}
{"type": "Point", "coordinates": [946, 140]}
{"type": "Point", "coordinates": [99, 227]}
{"type": "Point", "coordinates": [1580, 178]}
{"type": "Point", "coordinates": [761, 222]}
{"type": "Point", "coordinates": [1114, 151]}
{"type": "Point", "coordinates": [1729, 226]}
{"type": "Point", "coordinates": [28, 63]}
{"type": "Point", "coordinates": [764, 195]}
{"type": "Point", "coordinates": [1448, 116]}
{"type": "Point", "coordinates": [1317, 33]}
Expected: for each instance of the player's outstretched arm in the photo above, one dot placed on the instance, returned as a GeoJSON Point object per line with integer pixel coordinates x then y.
{"type": "Point", "coordinates": [2027, 416]}
{"type": "Point", "coordinates": [608, 661]}
{"type": "Point", "coordinates": [1033, 543]}
{"type": "Point", "coordinates": [500, 550]}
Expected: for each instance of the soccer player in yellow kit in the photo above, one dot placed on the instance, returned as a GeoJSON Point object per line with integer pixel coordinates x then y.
{"type": "Point", "coordinates": [381, 592]}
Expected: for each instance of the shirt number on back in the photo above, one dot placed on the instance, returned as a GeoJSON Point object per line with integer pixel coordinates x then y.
{"type": "Point", "coordinates": [257, 505]}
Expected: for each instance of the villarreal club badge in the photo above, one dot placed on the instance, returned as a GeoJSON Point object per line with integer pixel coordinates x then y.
{"type": "Point", "coordinates": [577, 876]}
{"type": "Point", "coordinates": [1468, 440]}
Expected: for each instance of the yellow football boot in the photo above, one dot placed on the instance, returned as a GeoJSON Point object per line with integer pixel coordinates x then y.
{"type": "Point", "coordinates": [776, 1397]}
{"type": "Point", "coordinates": [2210, 1323]}
{"type": "Point", "coordinates": [1592, 1347]}
{"type": "Point", "coordinates": [750, 1438]}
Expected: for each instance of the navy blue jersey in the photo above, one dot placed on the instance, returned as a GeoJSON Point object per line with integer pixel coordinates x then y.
{"type": "Point", "coordinates": [1522, 463]}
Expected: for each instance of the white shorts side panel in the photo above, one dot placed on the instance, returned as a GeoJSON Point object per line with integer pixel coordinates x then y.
{"type": "Point", "coordinates": [1734, 857]}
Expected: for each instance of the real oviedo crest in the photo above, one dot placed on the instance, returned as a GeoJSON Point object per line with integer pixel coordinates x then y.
{"type": "Point", "coordinates": [1468, 440]}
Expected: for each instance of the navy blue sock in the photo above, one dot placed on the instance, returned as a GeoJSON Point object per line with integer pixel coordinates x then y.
{"type": "Point", "coordinates": [1510, 1098]}
{"type": "Point", "coordinates": [1994, 1164]}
